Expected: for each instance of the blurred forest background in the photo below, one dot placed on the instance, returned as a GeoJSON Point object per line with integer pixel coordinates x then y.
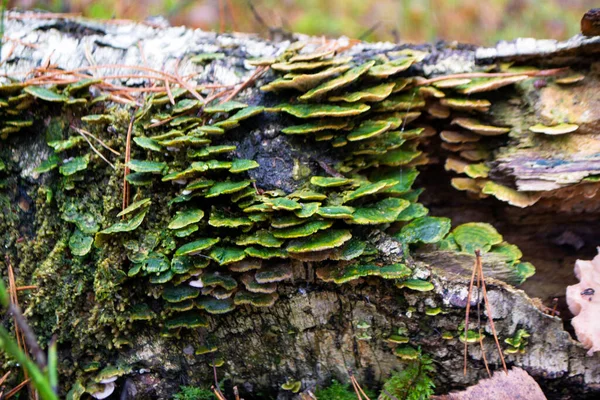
{"type": "Point", "coordinates": [473, 21]}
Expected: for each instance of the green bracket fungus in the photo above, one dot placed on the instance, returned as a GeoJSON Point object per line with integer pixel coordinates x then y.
{"type": "Point", "coordinates": [263, 238]}
{"type": "Point", "coordinates": [265, 253]}
{"type": "Point", "coordinates": [292, 385]}
{"type": "Point", "coordinates": [320, 241]}
{"type": "Point", "coordinates": [206, 349]}
{"type": "Point", "coordinates": [309, 65]}
{"type": "Point", "coordinates": [370, 94]}
{"type": "Point", "coordinates": [369, 129]}
{"type": "Point", "coordinates": [130, 225]}
{"type": "Point", "coordinates": [218, 279]}
{"type": "Point", "coordinates": [479, 128]}
{"type": "Point", "coordinates": [352, 272]}
{"type": "Point", "coordinates": [416, 285]}
{"type": "Point", "coordinates": [303, 82]}
{"type": "Point", "coordinates": [196, 246]}
{"type": "Point", "coordinates": [478, 85]}
{"type": "Point", "coordinates": [226, 107]}
{"type": "Point", "coordinates": [425, 230]}
{"type": "Point", "coordinates": [397, 339]}
{"type": "Point", "coordinates": [45, 94]}
{"type": "Point", "coordinates": [471, 337]}
{"type": "Point", "coordinates": [327, 181]}
{"type": "Point", "coordinates": [238, 166]}
{"type": "Point", "coordinates": [227, 255]}
{"type": "Point", "coordinates": [215, 306]}
{"type": "Point", "coordinates": [51, 163]}
{"type": "Point", "coordinates": [518, 342]}
{"type": "Point", "coordinates": [141, 312]}
{"type": "Point", "coordinates": [336, 212]}
{"type": "Point", "coordinates": [221, 188]}
{"type": "Point", "coordinates": [343, 80]}
{"type": "Point", "coordinates": [432, 311]}
{"type": "Point", "coordinates": [476, 236]}
{"type": "Point", "coordinates": [80, 244]}
{"type": "Point", "coordinates": [189, 319]}
{"type": "Point", "coordinates": [367, 189]}
{"type": "Point", "coordinates": [363, 325]}
{"type": "Point", "coordinates": [322, 110]}
{"type": "Point", "coordinates": [560, 129]}
{"type": "Point", "coordinates": [382, 212]}
{"type": "Point", "coordinates": [153, 167]}
{"type": "Point", "coordinates": [255, 299]}
{"type": "Point", "coordinates": [184, 165]}
{"type": "Point", "coordinates": [301, 231]}
{"type": "Point", "coordinates": [406, 353]}
{"type": "Point", "coordinates": [74, 165]}
{"type": "Point", "coordinates": [220, 220]}
{"type": "Point", "coordinates": [509, 195]}
{"type": "Point", "coordinates": [135, 206]}
{"type": "Point", "coordinates": [185, 218]}
{"type": "Point", "coordinates": [447, 335]}
{"type": "Point", "coordinates": [176, 294]}
{"type": "Point", "coordinates": [274, 273]}
{"type": "Point", "coordinates": [281, 203]}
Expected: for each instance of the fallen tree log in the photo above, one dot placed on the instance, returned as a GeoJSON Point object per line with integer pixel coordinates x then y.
{"type": "Point", "coordinates": [538, 183]}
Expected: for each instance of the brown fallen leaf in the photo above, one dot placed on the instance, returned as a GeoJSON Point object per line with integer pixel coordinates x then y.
{"type": "Point", "coordinates": [515, 385]}
{"type": "Point", "coordinates": [583, 300]}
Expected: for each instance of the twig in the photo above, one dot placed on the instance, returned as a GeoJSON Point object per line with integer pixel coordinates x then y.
{"type": "Point", "coordinates": [355, 389]}
{"type": "Point", "coordinates": [88, 56]}
{"type": "Point", "coordinates": [142, 55]}
{"type": "Point", "coordinates": [30, 287]}
{"type": "Point", "coordinates": [487, 367]}
{"type": "Point", "coordinates": [467, 316]}
{"type": "Point", "coordinates": [168, 87]}
{"type": "Point", "coordinates": [94, 149]}
{"type": "Point", "coordinates": [353, 378]}
{"type": "Point", "coordinates": [216, 387]}
{"type": "Point", "coordinates": [257, 16]}
{"type": "Point", "coordinates": [259, 71]}
{"type": "Point", "coordinates": [16, 389]}
{"type": "Point", "coordinates": [22, 43]}
{"type": "Point", "coordinates": [553, 311]}
{"type": "Point", "coordinates": [328, 169]}
{"type": "Point", "coordinates": [236, 393]}
{"type": "Point", "coordinates": [388, 394]}
{"type": "Point", "coordinates": [489, 309]}
{"type": "Point", "coordinates": [98, 140]}
{"type": "Point", "coordinates": [126, 169]}
{"type": "Point", "coordinates": [28, 335]}
{"type": "Point", "coordinates": [218, 393]}
{"type": "Point", "coordinates": [4, 377]}
{"type": "Point", "coordinates": [366, 33]}
{"type": "Point", "coordinates": [15, 300]}
{"type": "Point", "coordinates": [232, 15]}
{"type": "Point", "coordinates": [221, 16]}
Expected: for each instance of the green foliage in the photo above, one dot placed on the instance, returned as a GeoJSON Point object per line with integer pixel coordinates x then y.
{"type": "Point", "coordinates": [44, 382]}
{"type": "Point", "coordinates": [337, 391]}
{"type": "Point", "coordinates": [193, 393]}
{"type": "Point", "coordinates": [412, 383]}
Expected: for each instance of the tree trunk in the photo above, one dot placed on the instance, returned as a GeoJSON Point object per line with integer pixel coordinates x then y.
{"type": "Point", "coordinates": [316, 330]}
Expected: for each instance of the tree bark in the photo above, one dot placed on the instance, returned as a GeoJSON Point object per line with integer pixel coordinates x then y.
{"type": "Point", "coordinates": [311, 333]}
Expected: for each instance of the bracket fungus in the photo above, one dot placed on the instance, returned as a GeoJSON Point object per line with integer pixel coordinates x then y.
{"type": "Point", "coordinates": [190, 159]}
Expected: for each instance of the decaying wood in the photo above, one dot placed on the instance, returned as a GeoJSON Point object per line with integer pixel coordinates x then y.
{"type": "Point", "coordinates": [309, 335]}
